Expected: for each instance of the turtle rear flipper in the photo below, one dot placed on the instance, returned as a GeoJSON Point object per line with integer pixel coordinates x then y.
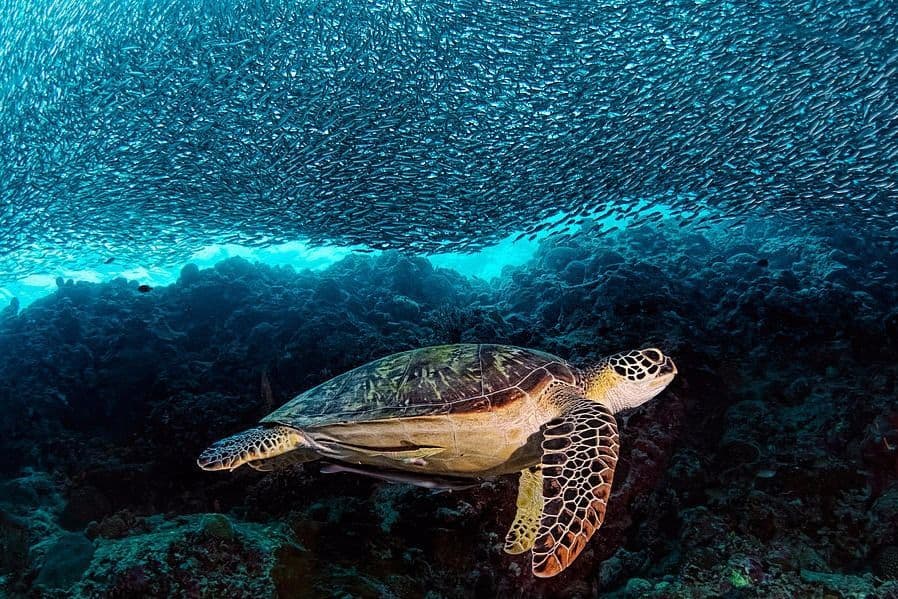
{"type": "Point", "coordinates": [259, 443]}
{"type": "Point", "coordinates": [579, 455]}
{"type": "Point", "coordinates": [522, 533]}
{"type": "Point", "coordinates": [431, 481]}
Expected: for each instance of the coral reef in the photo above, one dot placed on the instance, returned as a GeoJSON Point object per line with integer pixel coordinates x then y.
{"type": "Point", "coordinates": [197, 556]}
{"type": "Point", "coordinates": [768, 469]}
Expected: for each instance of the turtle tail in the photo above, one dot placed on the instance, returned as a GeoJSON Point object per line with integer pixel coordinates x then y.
{"type": "Point", "coordinates": [260, 443]}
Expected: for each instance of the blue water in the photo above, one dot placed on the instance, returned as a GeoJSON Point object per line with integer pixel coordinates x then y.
{"type": "Point", "coordinates": [210, 207]}
{"type": "Point", "coordinates": [485, 263]}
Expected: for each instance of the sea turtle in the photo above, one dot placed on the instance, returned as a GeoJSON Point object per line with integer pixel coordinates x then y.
{"type": "Point", "coordinates": [440, 415]}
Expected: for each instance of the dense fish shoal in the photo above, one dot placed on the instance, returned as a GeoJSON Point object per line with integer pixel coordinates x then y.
{"type": "Point", "coordinates": [148, 130]}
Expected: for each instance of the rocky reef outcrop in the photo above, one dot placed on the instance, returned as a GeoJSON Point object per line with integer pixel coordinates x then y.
{"type": "Point", "coordinates": [769, 468]}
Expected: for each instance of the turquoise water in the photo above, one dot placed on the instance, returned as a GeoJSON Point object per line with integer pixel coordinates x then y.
{"type": "Point", "coordinates": [485, 263]}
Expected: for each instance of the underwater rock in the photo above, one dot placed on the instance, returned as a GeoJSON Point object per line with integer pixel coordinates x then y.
{"type": "Point", "coordinates": [557, 258]}
{"type": "Point", "coordinates": [402, 307]}
{"type": "Point", "coordinates": [29, 512]}
{"type": "Point", "coordinates": [217, 526]}
{"type": "Point", "coordinates": [745, 429]}
{"type": "Point", "coordinates": [83, 505]}
{"type": "Point", "coordinates": [842, 276]}
{"type": "Point", "coordinates": [182, 557]}
{"type": "Point", "coordinates": [615, 568]}
{"type": "Point", "coordinates": [638, 587]}
{"type": "Point", "coordinates": [10, 311]}
{"type": "Point", "coordinates": [879, 444]}
{"type": "Point", "coordinates": [883, 524]}
{"type": "Point", "coordinates": [330, 292]}
{"type": "Point", "coordinates": [116, 526]}
{"type": "Point", "coordinates": [841, 585]}
{"type": "Point", "coordinates": [890, 326]}
{"type": "Point", "coordinates": [574, 273]}
{"type": "Point", "coordinates": [887, 562]}
{"type": "Point", "coordinates": [64, 561]}
{"type": "Point", "coordinates": [290, 572]}
{"type": "Point", "coordinates": [700, 528]}
{"type": "Point", "coordinates": [797, 391]}
{"type": "Point", "coordinates": [189, 274]}
{"type": "Point", "coordinates": [14, 544]}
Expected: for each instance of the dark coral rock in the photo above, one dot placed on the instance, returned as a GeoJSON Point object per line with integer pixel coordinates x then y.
{"type": "Point", "coordinates": [879, 445]}
{"type": "Point", "coordinates": [797, 391]}
{"type": "Point", "coordinates": [574, 273]}
{"type": "Point", "coordinates": [13, 543]}
{"type": "Point", "coordinates": [558, 258]}
{"type": "Point", "coordinates": [450, 323]}
{"type": "Point", "coordinates": [291, 571]}
{"type": "Point", "coordinates": [890, 326]}
{"type": "Point", "coordinates": [112, 527]}
{"type": "Point", "coordinates": [185, 557]}
{"type": "Point", "coordinates": [217, 526]}
{"type": "Point", "coordinates": [83, 505]}
{"type": "Point", "coordinates": [700, 528]}
{"type": "Point", "coordinates": [189, 274]}
{"type": "Point", "coordinates": [330, 292]}
{"type": "Point", "coordinates": [402, 308]}
{"type": "Point", "coordinates": [883, 524]}
{"type": "Point", "coordinates": [116, 526]}
{"type": "Point", "coordinates": [10, 311]}
{"type": "Point", "coordinates": [887, 562]}
{"type": "Point", "coordinates": [65, 561]}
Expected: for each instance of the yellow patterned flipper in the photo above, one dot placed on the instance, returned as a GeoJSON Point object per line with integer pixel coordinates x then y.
{"type": "Point", "coordinates": [522, 533]}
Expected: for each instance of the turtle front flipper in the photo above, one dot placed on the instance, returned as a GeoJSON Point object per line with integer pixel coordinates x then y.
{"type": "Point", "coordinates": [522, 533]}
{"type": "Point", "coordinates": [579, 455]}
{"type": "Point", "coordinates": [285, 460]}
{"type": "Point", "coordinates": [260, 443]}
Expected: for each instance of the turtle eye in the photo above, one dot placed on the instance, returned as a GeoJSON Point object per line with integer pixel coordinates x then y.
{"type": "Point", "coordinates": [653, 354]}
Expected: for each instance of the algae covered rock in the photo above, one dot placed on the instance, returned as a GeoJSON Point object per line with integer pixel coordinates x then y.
{"type": "Point", "coordinates": [65, 559]}
{"type": "Point", "coordinates": [842, 585]}
{"type": "Point", "coordinates": [217, 526]}
{"type": "Point", "coordinates": [200, 556]}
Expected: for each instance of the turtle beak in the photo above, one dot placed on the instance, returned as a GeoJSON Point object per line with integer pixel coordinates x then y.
{"type": "Point", "coordinates": [668, 367]}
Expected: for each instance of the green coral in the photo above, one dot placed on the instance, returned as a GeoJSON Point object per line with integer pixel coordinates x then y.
{"type": "Point", "coordinates": [739, 579]}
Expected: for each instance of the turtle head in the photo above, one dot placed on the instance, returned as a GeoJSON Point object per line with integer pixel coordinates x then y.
{"type": "Point", "coordinates": [629, 379]}
{"type": "Point", "coordinates": [258, 443]}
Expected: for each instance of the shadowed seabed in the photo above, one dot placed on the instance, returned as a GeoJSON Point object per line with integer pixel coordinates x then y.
{"type": "Point", "coordinates": [722, 185]}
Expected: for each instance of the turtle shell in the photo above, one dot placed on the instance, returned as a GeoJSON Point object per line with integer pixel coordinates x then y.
{"type": "Point", "coordinates": [428, 381]}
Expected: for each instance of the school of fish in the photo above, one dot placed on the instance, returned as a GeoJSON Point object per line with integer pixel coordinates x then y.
{"type": "Point", "coordinates": [146, 129]}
